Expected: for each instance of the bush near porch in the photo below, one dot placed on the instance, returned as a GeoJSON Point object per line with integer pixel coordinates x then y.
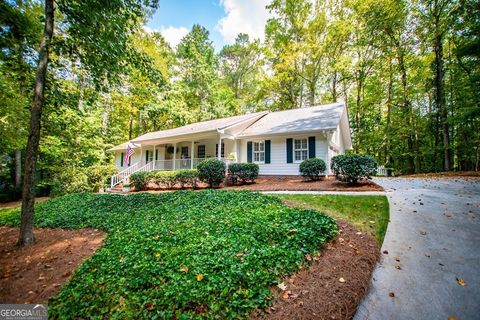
{"type": "Point", "coordinates": [209, 171]}
{"type": "Point", "coordinates": [212, 254]}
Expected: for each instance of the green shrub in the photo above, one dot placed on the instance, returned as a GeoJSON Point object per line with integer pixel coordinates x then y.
{"type": "Point", "coordinates": [244, 171]}
{"type": "Point", "coordinates": [312, 168]}
{"type": "Point", "coordinates": [187, 177]}
{"type": "Point", "coordinates": [240, 242]}
{"type": "Point", "coordinates": [211, 171]}
{"type": "Point", "coordinates": [353, 167]}
{"type": "Point", "coordinates": [99, 175]}
{"type": "Point", "coordinates": [70, 180]}
{"type": "Point", "coordinates": [164, 179]}
{"type": "Point", "coordinates": [140, 180]}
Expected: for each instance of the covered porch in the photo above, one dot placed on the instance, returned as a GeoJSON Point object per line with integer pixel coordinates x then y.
{"type": "Point", "coordinates": [186, 152]}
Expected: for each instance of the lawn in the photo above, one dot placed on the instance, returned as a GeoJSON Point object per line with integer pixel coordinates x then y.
{"type": "Point", "coordinates": [183, 255]}
{"type": "Point", "coordinates": [368, 213]}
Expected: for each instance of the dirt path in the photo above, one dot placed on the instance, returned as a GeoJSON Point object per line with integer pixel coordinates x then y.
{"type": "Point", "coordinates": [17, 203]}
{"type": "Point", "coordinates": [35, 273]}
{"type": "Point", "coordinates": [333, 285]}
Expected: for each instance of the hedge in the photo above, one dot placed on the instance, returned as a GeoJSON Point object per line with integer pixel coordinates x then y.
{"type": "Point", "coordinates": [353, 167]}
{"type": "Point", "coordinates": [243, 172]}
{"type": "Point", "coordinates": [165, 179]}
{"type": "Point", "coordinates": [312, 168]}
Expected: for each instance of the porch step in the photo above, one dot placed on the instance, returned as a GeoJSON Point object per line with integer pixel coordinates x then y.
{"type": "Point", "coordinates": [117, 189]}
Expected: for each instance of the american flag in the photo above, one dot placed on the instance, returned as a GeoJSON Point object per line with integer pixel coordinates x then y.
{"type": "Point", "coordinates": [128, 154]}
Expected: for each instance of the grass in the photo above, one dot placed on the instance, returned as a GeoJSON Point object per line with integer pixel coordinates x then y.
{"type": "Point", "coordinates": [183, 255]}
{"type": "Point", "coordinates": [368, 213]}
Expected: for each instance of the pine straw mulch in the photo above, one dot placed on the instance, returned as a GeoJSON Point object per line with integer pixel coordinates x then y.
{"type": "Point", "coordinates": [34, 273]}
{"type": "Point", "coordinates": [297, 183]}
{"type": "Point", "coordinates": [333, 285]}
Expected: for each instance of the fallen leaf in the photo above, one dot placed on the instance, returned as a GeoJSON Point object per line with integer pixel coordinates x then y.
{"type": "Point", "coordinates": [184, 269]}
{"type": "Point", "coordinates": [385, 252]}
{"type": "Point", "coordinates": [282, 286]}
{"type": "Point", "coordinates": [157, 254]}
{"type": "Point", "coordinates": [461, 282]}
{"type": "Point", "coordinates": [199, 277]}
{"type": "Point", "coordinates": [285, 295]}
{"type": "Point", "coordinates": [150, 306]}
{"type": "Point", "coordinates": [391, 294]}
{"type": "Point", "coordinates": [452, 318]}
{"type": "Point", "coordinates": [341, 280]}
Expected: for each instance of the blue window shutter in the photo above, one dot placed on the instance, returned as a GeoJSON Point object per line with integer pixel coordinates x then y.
{"type": "Point", "coordinates": [249, 151]}
{"type": "Point", "coordinates": [121, 159]}
{"type": "Point", "coordinates": [311, 147]}
{"type": "Point", "coordinates": [156, 154]}
{"type": "Point", "coordinates": [289, 150]}
{"type": "Point", "coordinates": [267, 151]}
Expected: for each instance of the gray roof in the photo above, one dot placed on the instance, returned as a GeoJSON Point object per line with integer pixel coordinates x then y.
{"type": "Point", "coordinates": [323, 117]}
{"type": "Point", "coordinates": [317, 118]}
{"type": "Point", "coordinates": [199, 127]}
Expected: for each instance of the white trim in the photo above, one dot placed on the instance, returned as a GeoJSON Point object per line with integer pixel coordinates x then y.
{"type": "Point", "coordinates": [258, 152]}
{"type": "Point", "coordinates": [293, 149]}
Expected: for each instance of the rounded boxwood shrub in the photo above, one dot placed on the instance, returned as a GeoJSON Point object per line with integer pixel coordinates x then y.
{"type": "Point", "coordinates": [312, 168]}
{"type": "Point", "coordinates": [211, 171]}
{"type": "Point", "coordinates": [353, 167]}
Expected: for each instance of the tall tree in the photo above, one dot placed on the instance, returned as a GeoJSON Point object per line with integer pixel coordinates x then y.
{"type": "Point", "coordinates": [99, 33]}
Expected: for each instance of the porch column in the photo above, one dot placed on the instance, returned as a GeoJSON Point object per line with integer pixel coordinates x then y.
{"type": "Point", "coordinates": [220, 148]}
{"type": "Point", "coordinates": [192, 154]}
{"type": "Point", "coordinates": [235, 149]}
{"type": "Point", "coordinates": [174, 154]}
{"type": "Point", "coordinates": [154, 156]}
{"type": "Point", "coordinates": [141, 156]}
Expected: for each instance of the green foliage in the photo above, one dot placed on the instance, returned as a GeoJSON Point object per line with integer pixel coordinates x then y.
{"type": "Point", "coordinates": [187, 177]}
{"type": "Point", "coordinates": [140, 180]}
{"type": "Point", "coordinates": [70, 180]}
{"type": "Point", "coordinates": [353, 167]}
{"type": "Point", "coordinates": [164, 178]}
{"type": "Point", "coordinates": [244, 172]}
{"type": "Point", "coordinates": [98, 176]}
{"type": "Point", "coordinates": [368, 213]}
{"type": "Point", "coordinates": [312, 168]}
{"type": "Point", "coordinates": [168, 255]}
{"type": "Point", "coordinates": [211, 171]}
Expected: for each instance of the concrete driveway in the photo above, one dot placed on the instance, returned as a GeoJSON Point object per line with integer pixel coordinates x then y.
{"type": "Point", "coordinates": [430, 265]}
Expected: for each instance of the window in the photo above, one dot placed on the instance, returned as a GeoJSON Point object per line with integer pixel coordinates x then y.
{"type": "Point", "coordinates": [201, 151]}
{"type": "Point", "coordinates": [121, 160]}
{"type": "Point", "coordinates": [259, 151]}
{"type": "Point", "coordinates": [184, 152]}
{"type": "Point", "coordinates": [223, 150]}
{"type": "Point", "coordinates": [300, 150]}
{"type": "Point", "coordinates": [149, 156]}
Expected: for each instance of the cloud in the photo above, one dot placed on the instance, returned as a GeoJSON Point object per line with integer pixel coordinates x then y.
{"type": "Point", "coordinates": [172, 35]}
{"type": "Point", "coordinates": [243, 16]}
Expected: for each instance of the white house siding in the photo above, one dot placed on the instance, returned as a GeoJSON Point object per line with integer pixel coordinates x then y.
{"type": "Point", "coordinates": [278, 153]}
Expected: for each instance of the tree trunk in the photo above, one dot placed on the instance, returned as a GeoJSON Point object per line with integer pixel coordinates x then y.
{"type": "Point", "coordinates": [18, 169]}
{"type": "Point", "coordinates": [389, 114]}
{"type": "Point", "coordinates": [357, 112]}
{"type": "Point", "coordinates": [28, 193]}
{"type": "Point", "coordinates": [334, 87]}
{"type": "Point", "coordinates": [130, 126]}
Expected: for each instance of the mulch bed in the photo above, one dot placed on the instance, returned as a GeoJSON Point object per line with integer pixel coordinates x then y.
{"type": "Point", "coordinates": [34, 273]}
{"type": "Point", "coordinates": [296, 183]}
{"type": "Point", "coordinates": [333, 285]}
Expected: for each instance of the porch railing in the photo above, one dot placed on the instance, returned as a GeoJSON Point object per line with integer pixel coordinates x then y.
{"type": "Point", "coordinates": [122, 175]}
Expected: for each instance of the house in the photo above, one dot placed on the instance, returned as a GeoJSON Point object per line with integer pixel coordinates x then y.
{"type": "Point", "coordinates": [277, 141]}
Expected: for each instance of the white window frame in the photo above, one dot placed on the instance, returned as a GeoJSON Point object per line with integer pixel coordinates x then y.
{"type": "Point", "coordinates": [295, 160]}
{"type": "Point", "coordinates": [258, 151]}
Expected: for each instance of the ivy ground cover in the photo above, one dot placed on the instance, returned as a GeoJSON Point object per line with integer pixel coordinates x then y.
{"type": "Point", "coordinates": [183, 255]}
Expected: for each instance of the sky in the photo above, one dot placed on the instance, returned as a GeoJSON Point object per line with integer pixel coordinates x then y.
{"type": "Point", "coordinates": [224, 19]}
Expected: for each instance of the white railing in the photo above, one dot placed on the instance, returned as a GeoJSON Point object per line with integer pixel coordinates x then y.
{"type": "Point", "coordinates": [384, 172]}
{"type": "Point", "coordinates": [122, 175]}
{"type": "Point", "coordinates": [161, 165]}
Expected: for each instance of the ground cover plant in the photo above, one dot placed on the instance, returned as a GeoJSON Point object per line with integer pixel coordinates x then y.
{"type": "Point", "coordinates": [368, 213]}
{"type": "Point", "coordinates": [183, 255]}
